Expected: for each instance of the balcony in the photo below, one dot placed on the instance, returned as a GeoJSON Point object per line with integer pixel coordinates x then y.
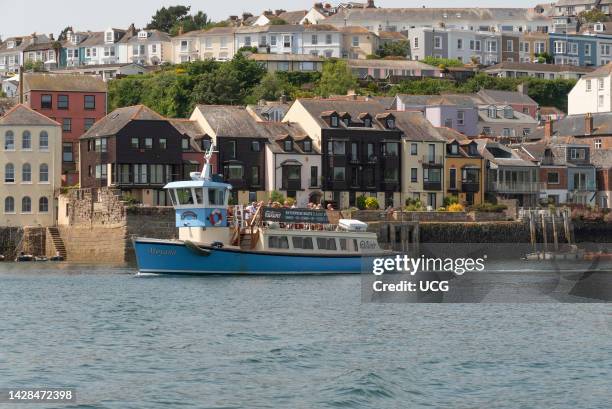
{"type": "Point", "coordinates": [588, 186]}
{"type": "Point", "coordinates": [470, 186]}
{"type": "Point", "coordinates": [432, 160]}
{"type": "Point", "coordinates": [292, 184]}
{"type": "Point", "coordinates": [432, 185]}
{"type": "Point", "coordinates": [517, 187]}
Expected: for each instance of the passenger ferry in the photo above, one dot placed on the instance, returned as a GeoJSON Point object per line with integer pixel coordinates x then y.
{"type": "Point", "coordinates": [215, 238]}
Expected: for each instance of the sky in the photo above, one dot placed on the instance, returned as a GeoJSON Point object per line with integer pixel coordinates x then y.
{"type": "Point", "coordinates": [51, 16]}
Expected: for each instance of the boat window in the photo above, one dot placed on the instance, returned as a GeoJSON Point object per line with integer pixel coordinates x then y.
{"type": "Point", "coordinates": [355, 246]}
{"type": "Point", "coordinates": [172, 197]}
{"type": "Point", "coordinates": [343, 244]}
{"type": "Point", "coordinates": [302, 243]}
{"type": "Point", "coordinates": [278, 242]}
{"type": "Point", "coordinates": [215, 197]}
{"type": "Point", "coordinates": [326, 243]}
{"type": "Point", "coordinates": [184, 196]}
{"type": "Point", "coordinates": [199, 195]}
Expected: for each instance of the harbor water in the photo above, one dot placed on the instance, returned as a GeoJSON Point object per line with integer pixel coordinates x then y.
{"type": "Point", "coordinates": [291, 342]}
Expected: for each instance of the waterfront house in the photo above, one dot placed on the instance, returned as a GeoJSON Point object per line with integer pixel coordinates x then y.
{"type": "Point", "coordinates": [136, 150]}
{"type": "Point", "coordinates": [293, 163]}
{"type": "Point", "coordinates": [216, 43]}
{"type": "Point", "coordinates": [31, 167]}
{"type": "Point", "coordinates": [273, 111]}
{"type": "Point", "coordinates": [72, 54]}
{"type": "Point", "coordinates": [518, 100]}
{"type": "Point", "coordinates": [146, 47]}
{"type": "Point", "coordinates": [463, 168]}
{"type": "Point", "coordinates": [510, 175]}
{"type": "Point", "coordinates": [75, 101]}
{"type": "Point", "coordinates": [456, 111]}
{"type": "Point", "coordinates": [103, 47]}
{"type": "Point", "coordinates": [360, 146]}
{"type": "Point", "coordinates": [241, 143]}
{"type": "Point", "coordinates": [590, 129]}
{"type": "Point", "coordinates": [42, 49]}
{"type": "Point", "coordinates": [531, 46]}
{"type": "Point", "coordinates": [193, 153]}
{"type": "Point", "coordinates": [358, 42]}
{"type": "Point", "coordinates": [11, 52]}
{"type": "Point", "coordinates": [392, 70]}
{"type": "Point", "coordinates": [510, 47]}
{"type": "Point", "coordinates": [592, 93]}
{"type": "Point", "coordinates": [289, 62]}
{"type": "Point", "coordinates": [475, 19]}
{"type": "Point", "coordinates": [505, 122]}
{"type": "Point", "coordinates": [573, 49]}
{"type": "Point", "coordinates": [422, 159]}
{"type": "Point", "coordinates": [106, 71]}
{"type": "Point", "coordinates": [543, 71]}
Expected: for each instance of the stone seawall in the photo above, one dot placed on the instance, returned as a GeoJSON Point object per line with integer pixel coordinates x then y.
{"type": "Point", "coordinates": [483, 232]}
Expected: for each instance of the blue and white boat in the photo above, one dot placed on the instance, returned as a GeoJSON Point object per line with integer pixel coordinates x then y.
{"type": "Point", "coordinates": [215, 238]}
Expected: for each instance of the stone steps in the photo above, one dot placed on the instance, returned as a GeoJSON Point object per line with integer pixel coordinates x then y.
{"type": "Point", "coordinates": [58, 243]}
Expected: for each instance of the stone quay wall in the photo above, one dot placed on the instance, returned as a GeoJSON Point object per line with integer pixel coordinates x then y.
{"type": "Point", "coordinates": [101, 226]}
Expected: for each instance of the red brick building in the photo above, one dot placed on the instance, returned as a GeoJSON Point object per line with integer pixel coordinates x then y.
{"type": "Point", "coordinates": [75, 101]}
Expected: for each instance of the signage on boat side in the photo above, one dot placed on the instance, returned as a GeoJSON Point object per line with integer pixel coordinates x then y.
{"type": "Point", "coordinates": [282, 215]}
{"type": "Point", "coordinates": [201, 217]}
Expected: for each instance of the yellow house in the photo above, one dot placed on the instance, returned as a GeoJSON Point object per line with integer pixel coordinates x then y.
{"type": "Point", "coordinates": [31, 165]}
{"type": "Point", "coordinates": [358, 42]}
{"type": "Point", "coordinates": [463, 168]}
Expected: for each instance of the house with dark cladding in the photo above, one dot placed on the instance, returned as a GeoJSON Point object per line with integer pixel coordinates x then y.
{"type": "Point", "coordinates": [360, 147]}
{"type": "Point", "coordinates": [241, 141]}
{"type": "Point", "coordinates": [136, 150]}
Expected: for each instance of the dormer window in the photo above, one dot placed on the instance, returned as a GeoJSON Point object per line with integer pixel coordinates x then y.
{"type": "Point", "coordinates": [454, 149]}
{"type": "Point", "coordinates": [347, 121]}
{"type": "Point", "coordinates": [288, 145]}
{"type": "Point", "coordinates": [508, 113]}
{"type": "Point", "coordinates": [10, 44]}
{"type": "Point", "coordinates": [367, 122]}
{"type": "Point", "coordinates": [307, 146]}
{"type": "Point", "coordinates": [472, 149]}
{"type": "Point", "coordinates": [334, 121]}
{"type": "Point", "coordinates": [109, 37]}
{"type": "Point", "coordinates": [492, 112]}
{"type": "Point", "coordinates": [390, 123]}
{"type": "Point", "coordinates": [143, 34]}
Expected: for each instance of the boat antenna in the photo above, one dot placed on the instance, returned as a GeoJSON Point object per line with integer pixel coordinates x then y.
{"type": "Point", "coordinates": [206, 172]}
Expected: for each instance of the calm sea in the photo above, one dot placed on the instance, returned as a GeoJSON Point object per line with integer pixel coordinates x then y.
{"type": "Point", "coordinates": [290, 342]}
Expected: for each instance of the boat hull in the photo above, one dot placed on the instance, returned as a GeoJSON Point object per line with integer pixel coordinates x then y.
{"type": "Point", "coordinates": [177, 257]}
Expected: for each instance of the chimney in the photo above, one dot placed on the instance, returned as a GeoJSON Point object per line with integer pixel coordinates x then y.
{"type": "Point", "coordinates": [268, 13]}
{"type": "Point", "coordinates": [34, 39]}
{"type": "Point", "coordinates": [246, 15]}
{"type": "Point", "coordinates": [588, 124]}
{"type": "Point", "coordinates": [131, 30]}
{"type": "Point", "coordinates": [51, 38]}
{"type": "Point", "coordinates": [523, 88]}
{"type": "Point", "coordinates": [279, 12]}
{"type": "Point", "coordinates": [548, 129]}
{"type": "Point", "coordinates": [283, 99]}
{"type": "Point", "coordinates": [370, 4]}
{"type": "Point", "coordinates": [21, 84]}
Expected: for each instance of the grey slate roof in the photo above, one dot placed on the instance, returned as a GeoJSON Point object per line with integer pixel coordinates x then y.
{"type": "Point", "coordinates": [22, 115]}
{"type": "Point", "coordinates": [153, 35]}
{"type": "Point", "coordinates": [603, 71]}
{"type": "Point", "coordinates": [231, 121]}
{"type": "Point", "coordinates": [119, 118]}
{"type": "Point", "coordinates": [293, 17]}
{"type": "Point", "coordinates": [554, 68]}
{"type": "Point", "coordinates": [63, 82]}
{"type": "Point", "coordinates": [416, 127]}
{"type": "Point", "coordinates": [505, 97]}
{"type": "Point", "coordinates": [460, 100]}
{"type": "Point", "coordinates": [573, 125]}
{"type": "Point", "coordinates": [316, 107]}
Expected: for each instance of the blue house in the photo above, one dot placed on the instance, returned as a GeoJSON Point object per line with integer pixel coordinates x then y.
{"type": "Point", "coordinates": [573, 49]}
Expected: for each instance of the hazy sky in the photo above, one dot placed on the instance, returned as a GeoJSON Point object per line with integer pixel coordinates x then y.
{"type": "Point", "coordinates": [51, 16]}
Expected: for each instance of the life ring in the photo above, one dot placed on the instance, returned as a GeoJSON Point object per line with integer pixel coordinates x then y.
{"type": "Point", "coordinates": [215, 217]}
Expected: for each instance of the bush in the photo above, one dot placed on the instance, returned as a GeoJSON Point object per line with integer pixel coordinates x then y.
{"type": "Point", "coordinates": [449, 200]}
{"type": "Point", "coordinates": [488, 208]}
{"type": "Point", "coordinates": [455, 207]}
{"type": "Point", "coordinates": [277, 197]}
{"type": "Point", "coordinates": [441, 209]}
{"type": "Point", "coordinates": [129, 199]}
{"type": "Point", "coordinates": [360, 201]}
{"type": "Point", "coordinates": [289, 201]}
{"type": "Point", "coordinates": [371, 203]}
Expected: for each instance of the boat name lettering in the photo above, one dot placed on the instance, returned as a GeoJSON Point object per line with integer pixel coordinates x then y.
{"type": "Point", "coordinates": [367, 244]}
{"type": "Point", "coordinates": [295, 215]}
{"type": "Point", "coordinates": [161, 252]}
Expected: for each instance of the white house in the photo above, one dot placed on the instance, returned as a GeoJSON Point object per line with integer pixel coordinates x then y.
{"type": "Point", "coordinates": [592, 93]}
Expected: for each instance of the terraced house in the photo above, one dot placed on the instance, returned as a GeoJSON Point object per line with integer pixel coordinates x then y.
{"type": "Point", "coordinates": [11, 51]}
{"type": "Point", "coordinates": [30, 158]}
{"type": "Point", "coordinates": [215, 43]}
{"type": "Point", "coordinates": [360, 144]}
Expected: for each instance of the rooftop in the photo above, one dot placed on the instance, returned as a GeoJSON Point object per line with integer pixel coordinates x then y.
{"type": "Point", "coordinates": [63, 82]}
{"type": "Point", "coordinates": [506, 65]}
{"type": "Point", "coordinates": [119, 118]}
{"type": "Point", "coordinates": [23, 115]}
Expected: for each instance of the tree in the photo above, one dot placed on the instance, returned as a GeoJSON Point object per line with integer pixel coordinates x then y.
{"type": "Point", "coordinates": [36, 66]}
{"type": "Point", "coordinates": [166, 18]}
{"type": "Point", "coordinates": [271, 88]}
{"type": "Point", "coordinates": [544, 58]}
{"type": "Point", "coordinates": [62, 34]}
{"type": "Point", "coordinates": [394, 49]}
{"type": "Point", "coordinates": [277, 22]}
{"type": "Point", "coordinates": [336, 78]}
{"type": "Point", "coordinates": [592, 16]}
{"type": "Point", "coordinates": [438, 62]}
{"type": "Point", "coordinates": [188, 23]}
